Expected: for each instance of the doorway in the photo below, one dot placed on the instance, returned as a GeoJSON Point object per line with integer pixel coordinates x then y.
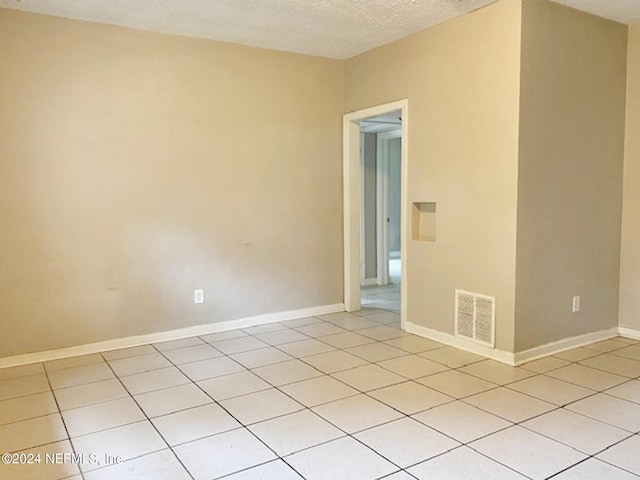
{"type": "Point", "coordinates": [388, 203]}
{"type": "Point", "coordinates": [375, 207]}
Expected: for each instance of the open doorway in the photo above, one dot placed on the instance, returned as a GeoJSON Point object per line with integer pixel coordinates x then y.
{"type": "Point", "coordinates": [375, 207]}
{"type": "Point", "coordinates": [380, 211]}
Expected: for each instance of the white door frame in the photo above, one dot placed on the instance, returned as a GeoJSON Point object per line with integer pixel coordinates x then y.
{"type": "Point", "coordinates": [382, 201]}
{"type": "Point", "coordinates": [351, 201]}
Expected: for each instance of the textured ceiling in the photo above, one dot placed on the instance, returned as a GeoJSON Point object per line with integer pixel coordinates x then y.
{"type": "Point", "coordinates": [623, 11]}
{"type": "Point", "coordinates": [327, 28]}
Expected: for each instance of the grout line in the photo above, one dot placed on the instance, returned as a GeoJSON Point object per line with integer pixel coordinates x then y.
{"type": "Point", "coordinates": [510, 421]}
{"type": "Point", "coordinates": [25, 396]}
{"type": "Point", "coordinates": [323, 374]}
{"type": "Point", "coordinates": [569, 467]}
{"type": "Point", "coordinates": [305, 408]}
{"type": "Point", "coordinates": [84, 383]}
{"type": "Point", "coordinates": [152, 424]}
{"type": "Point", "coordinates": [20, 377]}
{"type": "Point", "coordinates": [534, 374]}
{"type": "Point", "coordinates": [593, 456]}
{"type": "Point", "coordinates": [498, 462]}
{"type": "Point", "coordinates": [454, 399]}
{"type": "Point", "coordinates": [618, 466]}
{"type": "Point", "coordinates": [365, 393]}
{"type": "Point", "coordinates": [73, 448]}
{"type": "Point", "coordinates": [236, 419]}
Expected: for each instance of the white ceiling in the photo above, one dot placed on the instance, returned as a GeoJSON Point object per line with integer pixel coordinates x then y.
{"type": "Point", "coordinates": [328, 28]}
{"type": "Point", "coordinates": [623, 11]}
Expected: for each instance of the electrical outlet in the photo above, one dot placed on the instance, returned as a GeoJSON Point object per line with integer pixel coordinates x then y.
{"type": "Point", "coordinates": [198, 296]}
{"type": "Point", "coordinates": [576, 304]}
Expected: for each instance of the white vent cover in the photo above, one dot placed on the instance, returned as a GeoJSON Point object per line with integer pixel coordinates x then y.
{"type": "Point", "coordinates": [476, 317]}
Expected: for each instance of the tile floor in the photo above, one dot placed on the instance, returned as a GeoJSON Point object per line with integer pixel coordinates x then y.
{"type": "Point", "coordinates": [339, 396]}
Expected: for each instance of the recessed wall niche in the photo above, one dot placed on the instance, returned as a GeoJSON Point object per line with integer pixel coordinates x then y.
{"type": "Point", "coordinates": [423, 221]}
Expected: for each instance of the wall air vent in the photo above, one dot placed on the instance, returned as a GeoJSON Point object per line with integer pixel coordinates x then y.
{"type": "Point", "coordinates": [476, 317]}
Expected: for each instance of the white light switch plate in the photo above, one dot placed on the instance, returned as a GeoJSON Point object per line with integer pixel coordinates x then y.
{"type": "Point", "coordinates": [576, 304]}
{"type": "Point", "coordinates": [198, 296]}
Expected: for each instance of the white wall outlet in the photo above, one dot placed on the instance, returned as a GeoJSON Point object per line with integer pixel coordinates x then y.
{"type": "Point", "coordinates": [576, 304]}
{"type": "Point", "coordinates": [198, 296]}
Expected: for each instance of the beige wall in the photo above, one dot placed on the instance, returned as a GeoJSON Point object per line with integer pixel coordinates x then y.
{"type": "Point", "coordinates": [136, 167]}
{"type": "Point", "coordinates": [462, 82]}
{"type": "Point", "coordinates": [630, 255]}
{"type": "Point", "coordinates": [570, 174]}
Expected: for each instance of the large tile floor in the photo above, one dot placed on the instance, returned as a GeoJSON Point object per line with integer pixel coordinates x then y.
{"type": "Point", "coordinates": [340, 396]}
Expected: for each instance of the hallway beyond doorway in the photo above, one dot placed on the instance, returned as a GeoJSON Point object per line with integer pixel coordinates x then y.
{"type": "Point", "coordinates": [385, 297]}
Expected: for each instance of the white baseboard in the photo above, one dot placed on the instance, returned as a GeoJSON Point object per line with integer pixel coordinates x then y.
{"type": "Point", "coordinates": [526, 355]}
{"type": "Point", "coordinates": [629, 332]}
{"type": "Point", "coordinates": [370, 281]}
{"type": "Point", "coordinates": [178, 334]}
{"type": "Point", "coordinates": [461, 343]}
{"type": "Point", "coordinates": [564, 345]}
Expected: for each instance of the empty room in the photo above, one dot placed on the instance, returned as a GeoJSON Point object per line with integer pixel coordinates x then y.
{"type": "Point", "coordinates": [337, 240]}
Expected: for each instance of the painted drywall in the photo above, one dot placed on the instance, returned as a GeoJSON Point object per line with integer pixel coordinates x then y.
{"type": "Point", "coordinates": [395, 145]}
{"type": "Point", "coordinates": [461, 80]}
{"type": "Point", "coordinates": [629, 314]}
{"type": "Point", "coordinates": [570, 173]}
{"type": "Point", "coordinates": [136, 167]}
{"type": "Point", "coordinates": [369, 146]}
